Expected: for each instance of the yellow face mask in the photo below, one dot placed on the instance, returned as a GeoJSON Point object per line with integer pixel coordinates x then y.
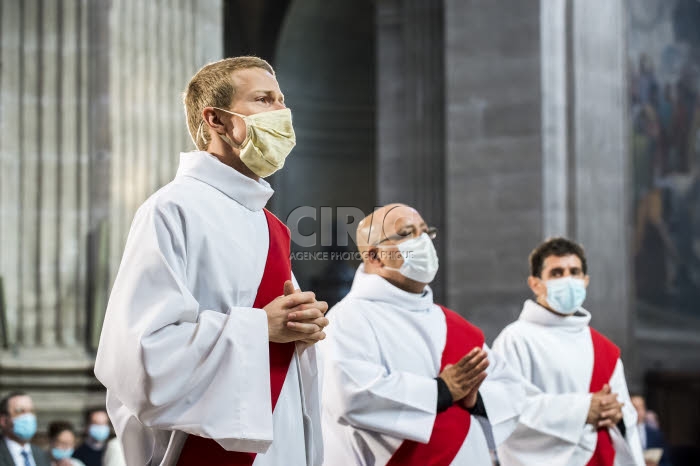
{"type": "Point", "coordinates": [269, 140]}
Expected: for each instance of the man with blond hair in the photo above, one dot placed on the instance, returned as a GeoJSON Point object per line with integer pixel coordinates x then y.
{"type": "Point", "coordinates": [207, 346]}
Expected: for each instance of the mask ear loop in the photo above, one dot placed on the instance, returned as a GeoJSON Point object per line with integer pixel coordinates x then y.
{"type": "Point", "coordinates": [247, 128]}
{"type": "Point", "coordinates": [199, 134]}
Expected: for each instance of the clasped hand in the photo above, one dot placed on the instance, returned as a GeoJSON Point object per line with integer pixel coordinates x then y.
{"type": "Point", "coordinates": [605, 410]}
{"type": "Point", "coordinates": [296, 316]}
{"type": "Point", "coordinates": [465, 377]}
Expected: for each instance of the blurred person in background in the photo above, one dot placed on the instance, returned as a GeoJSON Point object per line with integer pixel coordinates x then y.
{"type": "Point", "coordinates": [18, 426]}
{"type": "Point", "coordinates": [97, 432]}
{"type": "Point", "coordinates": [62, 444]}
{"type": "Point", "coordinates": [649, 435]}
{"type": "Point", "coordinates": [652, 419]}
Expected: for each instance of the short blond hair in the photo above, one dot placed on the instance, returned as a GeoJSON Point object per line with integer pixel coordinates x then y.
{"type": "Point", "coordinates": [212, 86]}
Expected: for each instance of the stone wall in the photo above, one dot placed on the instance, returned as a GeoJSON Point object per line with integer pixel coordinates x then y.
{"type": "Point", "coordinates": [494, 181]}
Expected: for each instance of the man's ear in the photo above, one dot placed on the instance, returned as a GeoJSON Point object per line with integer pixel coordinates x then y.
{"type": "Point", "coordinates": [212, 120]}
{"type": "Point", "coordinates": [373, 256]}
{"type": "Point", "coordinates": [586, 280]}
{"type": "Point", "coordinates": [537, 286]}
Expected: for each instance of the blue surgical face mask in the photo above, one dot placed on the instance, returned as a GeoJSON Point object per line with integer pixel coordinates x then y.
{"type": "Point", "coordinates": [565, 295]}
{"type": "Point", "coordinates": [60, 454]}
{"type": "Point", "coordinates": [24, 426]}
{"type": "Point", "coordinates": [98, 432]}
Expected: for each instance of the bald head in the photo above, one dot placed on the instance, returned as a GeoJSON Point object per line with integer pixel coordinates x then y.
{"type": "Point", "coordinates": [378, 238]}
{"type": "Point", "coordinates": [373, 228]}
{"type": "Point", "coordinates": [393, 221]}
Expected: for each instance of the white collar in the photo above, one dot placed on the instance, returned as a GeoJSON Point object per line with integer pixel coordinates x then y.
{"type": "Point", "coordinates": [205, 167]}
{"type": "Point", "coordinates": [16, 449]}
{"type": "Point", "coordinates": [372, 287]}
{"type": "Point", "coordinates": [536, 314]}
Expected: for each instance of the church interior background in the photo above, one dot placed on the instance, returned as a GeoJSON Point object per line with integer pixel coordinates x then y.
{"type": "Point", "coordinates": [503, 122]}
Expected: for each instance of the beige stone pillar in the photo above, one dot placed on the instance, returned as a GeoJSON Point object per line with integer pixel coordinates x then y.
{"type": "Point", "coordinates": [92, 124]}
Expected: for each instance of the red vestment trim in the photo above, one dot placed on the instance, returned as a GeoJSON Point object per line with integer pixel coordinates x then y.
{"type": "Point", "coordinates": [605, 356]}
{"type": "Point", "coordinates": [203, 451]}
{"type": "Point", "coordinates": [451, 427]}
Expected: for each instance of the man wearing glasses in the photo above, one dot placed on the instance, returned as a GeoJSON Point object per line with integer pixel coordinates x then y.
{"type": "Point", "coordinates": [402, 375]}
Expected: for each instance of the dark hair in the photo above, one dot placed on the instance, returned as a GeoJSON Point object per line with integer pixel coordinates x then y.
{"type": "Point", "coordinates": [56, 427]}
{"type": "Point", "coordinates": [90, 412]}
{"type": "Point", "coordinates": [558, 247]}
{"type": "Point", "coordinates": [5, 402]}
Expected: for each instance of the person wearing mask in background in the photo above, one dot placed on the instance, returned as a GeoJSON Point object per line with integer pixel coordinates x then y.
{"type": "Point", "coordinates": [652, 419]}
{"type": "Point", "coordinates": [18, 426]}
{"type": "Point", "coordinates": [62, 444]}
{"type": "Point", "coordinates": [207, 348]}
{"type": "Point", "coordinates": [552, 346]}
{"type": "Point", "coordinates": [650, 436]}
{"type": "Point", "coordinates": [97, 432]}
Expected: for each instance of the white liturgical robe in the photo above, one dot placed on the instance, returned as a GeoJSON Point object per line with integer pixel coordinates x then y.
{"type": "Point", "coordinates": [182, 350]}
{"type": "Point", "coordinates": [380, 359]}
{"type": "Point", "coordinates": [555, 353]}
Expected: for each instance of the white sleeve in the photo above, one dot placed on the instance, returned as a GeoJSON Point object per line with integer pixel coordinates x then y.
{"type": "Point", "coordinates": [628, 449]}
{"type": "Point", "coordinates": [174, 365]}
{"type": "Point", "coordinates": [113, 456]}
{"type": "Point", "coordinates": [525, 420]}
{"type": "Point", "coordinates": [510, 399]}
{"type": "Point", "coordinates": [359, 390]}
{"type": "Point", "coordinates": [311, 387]}
{"type": "Point", "coordinates": [310, 380]}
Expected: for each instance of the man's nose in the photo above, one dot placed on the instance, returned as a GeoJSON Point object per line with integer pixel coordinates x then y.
{"type": "Point", "coordinates": [279, 105]}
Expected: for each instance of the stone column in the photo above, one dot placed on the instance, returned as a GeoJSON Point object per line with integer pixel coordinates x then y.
{"type": "Point", "coordinates": [586, 167]}
{"type": "Point", "coordinates": [411, 113]}
{"type": "Point", "coordinates": [554, 87]}
{"type": "Point", "coordinates": [43, 156]}
{"type": "Point", "coordinates": [601, 186]}
{"type": "Point", "coordinates": [92, 123]}
{"type": "Point", "coordinates": [43, 203]}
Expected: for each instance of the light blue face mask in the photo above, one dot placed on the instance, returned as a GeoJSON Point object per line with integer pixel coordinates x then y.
{"type": "Point", "coordinates": [24, 426]}
{"type": "Point", "coordinates": [60, 454]}
{"type": "Point", "coordinates": [565, 295]}
{"type": "Point", "coordinates": [99, 432]}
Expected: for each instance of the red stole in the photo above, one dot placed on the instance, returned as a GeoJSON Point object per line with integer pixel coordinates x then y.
{"type": "Point", "coordinates": [451, 426]}
{"type": "Point", "coordinates": [201, 451]}
{"type": "Point", "coordinates": [605, 356]}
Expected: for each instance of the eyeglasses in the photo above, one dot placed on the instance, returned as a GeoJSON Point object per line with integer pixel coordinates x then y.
{"type": "Point", "coordinates": [430, 231]}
